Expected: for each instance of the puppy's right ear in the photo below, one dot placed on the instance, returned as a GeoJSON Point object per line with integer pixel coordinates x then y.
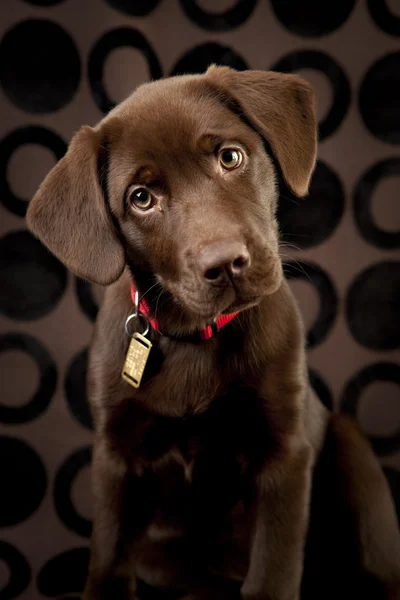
{"type": "Point", "coordinates": [69, 214]}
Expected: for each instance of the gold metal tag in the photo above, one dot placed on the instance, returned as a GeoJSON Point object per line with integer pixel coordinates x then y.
{"type": "Point", "coordinates": [136, 359]}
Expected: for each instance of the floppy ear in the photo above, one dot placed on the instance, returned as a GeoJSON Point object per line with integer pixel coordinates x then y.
{"type": "Point", "coordinates": [282, 109]}
{"type": "Point", "coordinates": [69, 214]}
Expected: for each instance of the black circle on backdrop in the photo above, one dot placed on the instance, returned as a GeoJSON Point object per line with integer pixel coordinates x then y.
{"type": "Point", "coordinates": [75, 389]}
{"type": "Point", "coordinates": [21, 470]}
{"type": "Point", "coordinates": [40, 68]}
{"type": "Point", "coordinates": [138, 8]}
{"type": "Point", "coordinates": [64, 574]}
{"type": "Point", "coordinates": [383, 17]}
{"type": "Point", "coordinates": [86, 299]}
{"type": "Point", "coordinates": [310, 18]}
{"type": "Point", "coordinates": [198, 59]}
{"type": "Point", "coordinates": [62, 492]}
{"type": "Point", "coordinates": [372, 306]}
{"type": "Point", "coordinates": [40, 400]}
{"type": "Point", "coordinates": [20, 571]}
{"type": "Point", "coordinates": [383, 371]}
{"type": "Point", "coordinates": [319, 61]}
{"type": "Point", "coordinates": [311, 220]}
{"type": "Point", "coordinates": [328, 299]}
{"type": "Point", "coordinates": [362, 204]}
{"type": "Point", "coordinates": [221, 21]}
{"type": "Point", "coordinates": [321, 388]}
{"type": "Point", "coordinates": [8, 145]}
{"type": "Point", "coordinates": [34, 280]}
{"type": "Point", "coordinates": [379, 98]}
{"type": "Point", "coordinates": [117, 38]}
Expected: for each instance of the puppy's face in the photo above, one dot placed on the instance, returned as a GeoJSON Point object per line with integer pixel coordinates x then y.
{"type": "Point", "coordinates": [194, 194]}
{"type": "Point", "coordinates": [177, 184]}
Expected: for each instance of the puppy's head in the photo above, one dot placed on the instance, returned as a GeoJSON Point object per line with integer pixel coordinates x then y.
{"type": "Point", "coordinates": [178, 182]}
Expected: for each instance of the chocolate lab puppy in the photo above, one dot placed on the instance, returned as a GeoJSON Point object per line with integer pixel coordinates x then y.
{"type": "Point", "coordinates": [220, 474]}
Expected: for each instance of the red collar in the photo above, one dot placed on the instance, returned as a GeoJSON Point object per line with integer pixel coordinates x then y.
{"type": "Point", "coordinates": [202, 335]}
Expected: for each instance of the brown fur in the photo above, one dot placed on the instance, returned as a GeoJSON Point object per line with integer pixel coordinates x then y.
{"type": "Point", "coordinates": [204, 477]}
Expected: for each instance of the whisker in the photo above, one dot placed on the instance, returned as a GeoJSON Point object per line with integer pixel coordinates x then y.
{"type": "Point", "coordinates": [150, 288]}
{"type": "Point", "coordinates": [290, 199]}
{"type": "Point", "coordinates": [305, 253]}
{"type": "Point", "coordinates": [286, 245]}
{"type": "Point", "coordinates": [307, 256]}
{"type": "Point", "coordinates": [304, 235]}
{"type": "Point", "coordinates": [157, 301]}
{"type": "Point", "coordinates": [241, 324]}
{"type": "Point", "coordinates": [299, 267]}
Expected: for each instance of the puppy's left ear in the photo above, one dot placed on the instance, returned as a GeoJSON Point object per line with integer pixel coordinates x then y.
{"type": "Point", "coordinates": [282, 109]}
{"type": "Point", "coordinates": [69, 213]}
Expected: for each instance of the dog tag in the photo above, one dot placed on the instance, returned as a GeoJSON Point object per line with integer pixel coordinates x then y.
{"type": "Point", "coordinates": [136, 359]}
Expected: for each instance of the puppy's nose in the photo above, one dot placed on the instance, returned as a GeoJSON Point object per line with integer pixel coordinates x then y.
{"type": "Point", "coordinates": [224, 258]}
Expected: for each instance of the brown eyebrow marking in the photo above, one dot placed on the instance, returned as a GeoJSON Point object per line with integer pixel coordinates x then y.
{"type": "Point", "coordinates": [147, 176]}
{"type": "Point", "coordinates": [208, 142]}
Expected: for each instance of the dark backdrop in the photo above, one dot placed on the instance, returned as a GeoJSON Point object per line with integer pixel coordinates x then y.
{"type": "Point", "coordinates": [63, 63]}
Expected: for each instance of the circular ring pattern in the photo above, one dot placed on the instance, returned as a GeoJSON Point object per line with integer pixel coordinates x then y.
{"type": "Point", "coordinates": [379, 98]}
{"type": "Point", "coordinates": [312, 220]}
{"type": "Point", "coordinates": [138, 8]}
{"type": "Point", "coordinates": [198, 59]}
{"type": "Point", "coordinates": [223, 21]}
{"type": "Point", "coordinates": [40, 69]}
{"type": "Point", "coordinates": [383, 371]}
{"type": "Point", "coordinates": [34, 279]}
{"type": "Point", "coordinates": [383, 17]}
{"type": "Point", "coordinates": [62, 491]}
{"type": "Point", "coordinates": [64, 574]}
{"type": "Point", "coordinates": [341, 97]}
{"type": "Point", "coordinates": [117, 38]}
{"type": "Point", "coordinates": [312, 19]}
{"type": "Point", "coordinates": [8, 145]}
{"type": "Point", "coordinates": [86, 299]}
{"type": "Point", "coordinates": [20, 571]}
{"type": "Point", "coordinates": [362, 204]}
{"type": "Point", "coordinates": [372, 306]}
{"type": "Point", "coordinates": [75, 389]}
{"type": "Point", "coordinates": [48, 378]}
{"type": "Point", "coordinates": [22, 470]}
{"type": "Point", "coordinates": [313, 274]}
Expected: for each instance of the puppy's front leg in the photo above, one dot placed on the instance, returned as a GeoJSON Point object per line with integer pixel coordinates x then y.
{"type": "Point", "coordinates": [122, 509]}
{"type": "Point", "coordinates": [280, 527]}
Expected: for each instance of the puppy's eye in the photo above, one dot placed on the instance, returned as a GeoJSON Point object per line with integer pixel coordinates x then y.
{"type": "Point", "coordinates": [230, 158]}
{"type": "Point", "coordinates": [141, 198]}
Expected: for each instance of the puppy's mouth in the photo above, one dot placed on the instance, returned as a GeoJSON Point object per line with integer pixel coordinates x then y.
{"type": "Point", "coordinates": [194, 306]}
{"type": "Point", "coordinates": [203, 308]}
{"type": "Point", "coordinates": [201, 315]}
{"type": "Point", "coordinates": [243, 304]}
{"type": "Point", "coordinates": [209, 312]}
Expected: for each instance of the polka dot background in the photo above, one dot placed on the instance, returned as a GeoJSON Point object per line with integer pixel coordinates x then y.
{"type": "Point", "coordinates": [60, 68]}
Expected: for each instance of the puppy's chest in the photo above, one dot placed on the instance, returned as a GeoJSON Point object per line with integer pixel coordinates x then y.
{"type": "Point", "coordinates": [223, 446]}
